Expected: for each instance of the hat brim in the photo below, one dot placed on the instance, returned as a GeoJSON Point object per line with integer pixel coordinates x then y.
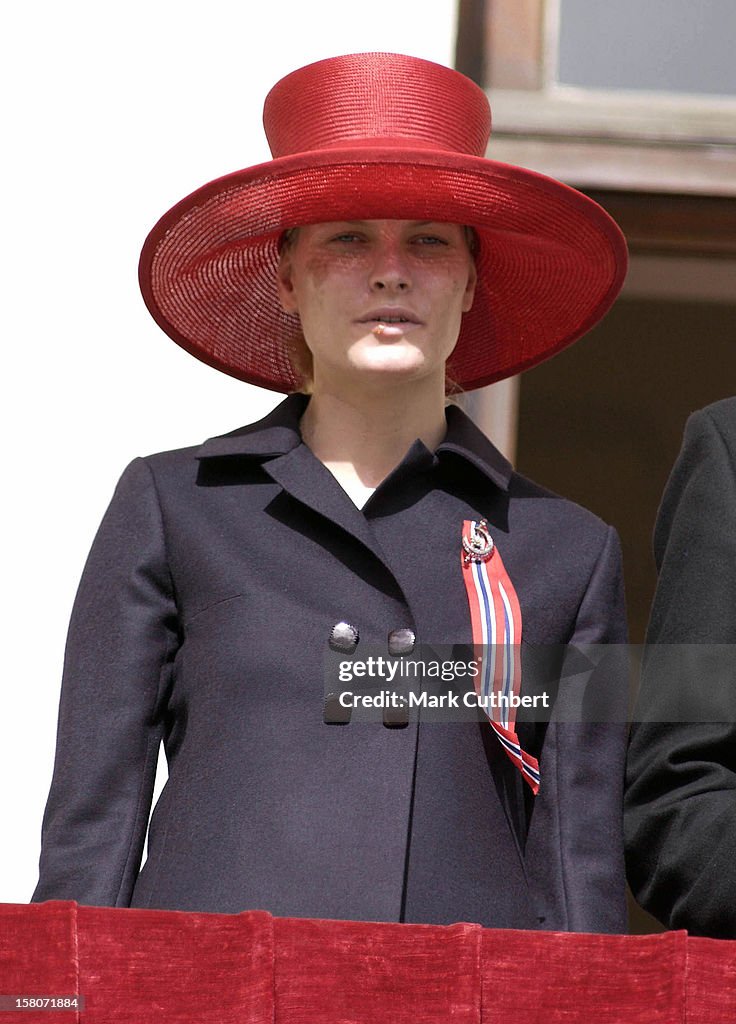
{"type": "Point", "coordinates": [550, 260]}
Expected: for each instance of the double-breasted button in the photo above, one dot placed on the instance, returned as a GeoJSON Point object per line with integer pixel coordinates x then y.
{"type": "Point", "coordinates": [396, 718]}
{"type": "Point", "coordinates": [336, 713]}
{"type": "Point", "coordinates": [401, 641]}
{"type": "Point", "coordinates": [343, 638]}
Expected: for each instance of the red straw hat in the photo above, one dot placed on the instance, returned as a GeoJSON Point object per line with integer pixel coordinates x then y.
{"type": "Point", "coordinates": [381, 136]}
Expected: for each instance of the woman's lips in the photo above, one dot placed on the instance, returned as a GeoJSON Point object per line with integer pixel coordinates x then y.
{"type": "Point", "coordinates": [390, 324]}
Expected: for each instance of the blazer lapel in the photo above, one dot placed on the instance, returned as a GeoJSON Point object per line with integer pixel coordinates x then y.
{"type": "Point", "coordinates": [276, 443]}
{"type": "Point", "coordinates": [305, 478]}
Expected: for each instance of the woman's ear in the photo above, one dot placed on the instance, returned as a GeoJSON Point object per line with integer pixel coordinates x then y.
{"type": "Point", "coordinates": [285, 282]}
{"type": "Point", "coordinates": [470, 287]}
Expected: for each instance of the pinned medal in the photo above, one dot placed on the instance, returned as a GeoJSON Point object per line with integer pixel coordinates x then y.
{"type": "Point", "coordinates": [495, 616]}
{"type": "Point", "coordinates": [477, 542]}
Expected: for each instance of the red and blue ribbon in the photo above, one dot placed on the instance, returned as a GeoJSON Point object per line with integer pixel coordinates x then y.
{"type": "Point", "coordinates": [496, 620]}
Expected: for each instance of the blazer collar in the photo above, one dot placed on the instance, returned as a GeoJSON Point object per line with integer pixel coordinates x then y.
{"type": "Point", "coordinates": [275, 434]}
{"type": "Point", "coordinates": [278, 433]}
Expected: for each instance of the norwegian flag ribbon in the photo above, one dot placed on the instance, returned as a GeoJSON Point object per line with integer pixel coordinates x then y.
{"type": "Point", "coordinates": [496, 620]}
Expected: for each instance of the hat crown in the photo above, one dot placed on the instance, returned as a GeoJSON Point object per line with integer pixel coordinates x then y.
{"type": "Point", "coordinates": [375, 99]}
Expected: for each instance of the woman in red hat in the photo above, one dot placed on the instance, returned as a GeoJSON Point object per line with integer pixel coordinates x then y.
{"type": "Point", "coordinates": [377, 262]}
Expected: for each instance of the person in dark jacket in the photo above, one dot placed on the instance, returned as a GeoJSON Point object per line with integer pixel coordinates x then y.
{"type": "Point", "coordinates": [376, 263]}
{"type": "Point", "coordinates": [681, 785]}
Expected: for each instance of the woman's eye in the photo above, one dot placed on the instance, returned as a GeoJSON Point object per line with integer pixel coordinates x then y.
{"type": "Point", "coordinates": [430, 240]}
{"type": "Point", "coordinates": [347, 236]}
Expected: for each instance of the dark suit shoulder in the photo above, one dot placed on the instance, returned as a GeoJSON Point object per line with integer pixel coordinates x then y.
{"type": "Point", "coordinates": [718, 419]}
{"type": "Point", "coordinates": [698, 499]}
{"type": "Point", "coordinates": [722, 412]}
{"type": "Point", "coordinates": [174, 470]}
{"type": "Point", "coordinates": [551, 509]}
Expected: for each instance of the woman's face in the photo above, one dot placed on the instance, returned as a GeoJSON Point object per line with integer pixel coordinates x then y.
{"type": "Point", "coordinates": [378, 298]}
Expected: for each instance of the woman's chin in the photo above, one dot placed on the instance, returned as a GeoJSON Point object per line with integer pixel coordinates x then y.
{"type": "Point", "coordinates": [393, 366]}
{"type": "Point", "coordinates": [376, 370]}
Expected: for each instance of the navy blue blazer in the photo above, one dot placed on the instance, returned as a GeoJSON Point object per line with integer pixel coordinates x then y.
{"type": "Point", "coordinates": [202, 620]}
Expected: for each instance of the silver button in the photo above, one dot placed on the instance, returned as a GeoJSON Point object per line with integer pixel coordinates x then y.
{"type": "Point", "coordinates": [401, 641]}
{"type": "Point", "coordinates": [344, 638]}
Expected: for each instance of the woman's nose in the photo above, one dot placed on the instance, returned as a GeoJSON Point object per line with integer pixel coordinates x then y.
{"type": "Point", "coordinates": [390, 271]}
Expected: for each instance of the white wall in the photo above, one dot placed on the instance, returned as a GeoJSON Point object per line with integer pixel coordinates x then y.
{"type": "Point", "coordinates": [115, 112]}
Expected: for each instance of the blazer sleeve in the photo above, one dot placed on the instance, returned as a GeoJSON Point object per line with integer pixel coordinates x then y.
{"type": "Point", "coordinates": [120, 648]}
{"type": "Point", "coordinates": [680, 806]}
{"type": "Point", "coordinates": [574, 848]}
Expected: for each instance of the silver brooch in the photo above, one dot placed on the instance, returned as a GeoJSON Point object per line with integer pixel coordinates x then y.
{"type": "Point", "coordinates": [478, 546]}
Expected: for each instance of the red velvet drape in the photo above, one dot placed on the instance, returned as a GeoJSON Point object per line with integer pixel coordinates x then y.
{"type": "Point", "coordinates": [141, 966]}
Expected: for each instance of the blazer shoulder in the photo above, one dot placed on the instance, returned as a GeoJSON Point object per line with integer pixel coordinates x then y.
{"type": "Point", "coordinates": [705, 461]}
{"type": "Point", "coordinates": [552, 509]}
{"type": "Point", "coordinates": [719, 417]}
{"type": "Point", "coordinates": [173, 463]}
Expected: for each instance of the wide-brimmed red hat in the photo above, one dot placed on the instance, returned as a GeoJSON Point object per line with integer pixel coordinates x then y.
{"type": "Point", "coordinates": [381, 136]}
